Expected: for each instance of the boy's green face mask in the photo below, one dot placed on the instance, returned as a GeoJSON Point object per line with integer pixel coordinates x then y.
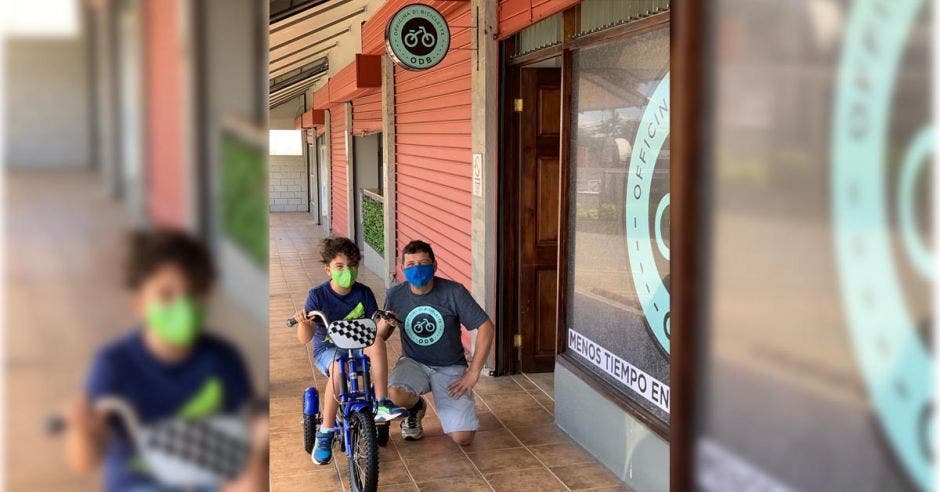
{"type": "Point", "coordinates": [178, 322]}
{"type": "Point", "coordinates": [345, 277]}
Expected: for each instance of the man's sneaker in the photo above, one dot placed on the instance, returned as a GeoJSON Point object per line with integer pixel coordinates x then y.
{"type": "Point", "coordinates": [323, 452]}
{"type": "Point", "coordinates": [411, 429]}
{"type": "Point", "coordinates": [385, 410]}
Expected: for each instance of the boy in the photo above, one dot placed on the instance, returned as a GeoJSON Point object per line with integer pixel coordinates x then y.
{"type": "Point", "coordinates": [167, 367]}
{"type": "Point", "coordinates": [341, 297]}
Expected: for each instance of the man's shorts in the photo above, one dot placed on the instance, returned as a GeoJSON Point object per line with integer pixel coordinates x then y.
{"type": "Point", "coordinates": [456, 414]}
{"type": "Point", "coordinates": [323, 358]}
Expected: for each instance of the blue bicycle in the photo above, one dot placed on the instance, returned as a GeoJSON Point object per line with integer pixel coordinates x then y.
{"type": "Point", "coordinates": [357, 403]}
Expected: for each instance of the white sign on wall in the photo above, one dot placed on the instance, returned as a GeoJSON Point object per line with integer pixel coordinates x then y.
{"type": "Point", "coordinates": [477, 174]}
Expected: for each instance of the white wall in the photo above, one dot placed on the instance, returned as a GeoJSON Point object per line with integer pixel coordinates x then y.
{"type": "Point", "coordinates": [637, 455]}
{"type": "Point", "coordinates": [47, 115]}
{"type": "Point", "coordinates": [288, 173]}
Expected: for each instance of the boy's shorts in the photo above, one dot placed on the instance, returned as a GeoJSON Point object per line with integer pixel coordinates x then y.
{"type": "Point", "coordinates": [323, 358]}
{"type": "Point", "coordinates": [458, 414]}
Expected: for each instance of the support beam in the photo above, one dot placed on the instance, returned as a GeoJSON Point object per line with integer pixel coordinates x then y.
{"type": "Point", "coordinates": [388, 173]}
{"type": "Point", "coordinates": [325, 178]}
{"type": "Point", "coordinates": [484, 83]}
{"type": "Point", "coordinates": [350, 174]}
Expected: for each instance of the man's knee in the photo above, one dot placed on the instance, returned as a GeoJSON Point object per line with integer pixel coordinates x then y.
{"type": "Point", "coordinates": [402, 397]}
{"type": "Point", "coordinates": [462, 438]}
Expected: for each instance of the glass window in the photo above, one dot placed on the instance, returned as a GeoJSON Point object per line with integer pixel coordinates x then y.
{"type": "Point", "coordinates": [597, 15]}
{"type": "Point", "coordinates": [819, 356]}
{"type": "Point", "coordinates": [618, 299]}
{"type": "Point", "coordinates": [540, 35]}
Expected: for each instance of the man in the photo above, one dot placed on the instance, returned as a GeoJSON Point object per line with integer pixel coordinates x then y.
{"type": "Point", "coordinates": [432, 310]}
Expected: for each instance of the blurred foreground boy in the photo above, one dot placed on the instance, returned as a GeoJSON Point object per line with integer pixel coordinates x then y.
{"type": "Point", "coordinates": [166, 366]}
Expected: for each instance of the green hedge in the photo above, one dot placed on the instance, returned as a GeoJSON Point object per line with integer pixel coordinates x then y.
{"type": "Point", "coordinates": [244, 200]}
{"type": "Point", "coordinates": [373, 223]}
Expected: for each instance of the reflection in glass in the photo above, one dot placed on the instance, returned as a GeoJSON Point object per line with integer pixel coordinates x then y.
{"type": "Point", "coordinates": [619, 214]}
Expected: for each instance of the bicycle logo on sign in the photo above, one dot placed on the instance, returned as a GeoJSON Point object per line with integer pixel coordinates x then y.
{"type": "Point", "coordinates": [417, 37]}
{"type": "Point", "coordinates": [427, 39]}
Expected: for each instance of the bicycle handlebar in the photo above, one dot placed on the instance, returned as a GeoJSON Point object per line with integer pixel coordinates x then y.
{"type": "Point", "coordinates": [386, 315]}
{"type": "Point", "coordinates": [310, 315]}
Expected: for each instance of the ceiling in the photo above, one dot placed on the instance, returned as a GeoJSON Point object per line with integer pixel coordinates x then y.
{"type": "Point", "coordinates": [309, 40]}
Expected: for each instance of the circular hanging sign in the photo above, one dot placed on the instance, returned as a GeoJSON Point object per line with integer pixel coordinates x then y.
{"type": "Point", "coordinates": [417, 37]}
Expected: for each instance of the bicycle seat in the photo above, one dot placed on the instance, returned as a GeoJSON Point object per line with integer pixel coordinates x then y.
{"type": "Point", "coordinates": [352, 333]}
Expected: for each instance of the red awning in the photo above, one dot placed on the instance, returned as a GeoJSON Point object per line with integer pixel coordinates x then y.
{"type": "Point", "coordinates": [360, 77]}
{"type": "Point", "coordinates": [310, 119]}
{"type": "Point", "coordinates": [516, 15]}
{"type": "Point", "coordinates": [321, 98]}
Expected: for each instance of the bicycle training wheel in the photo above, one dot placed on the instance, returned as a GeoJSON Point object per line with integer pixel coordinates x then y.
{"type": "Point", "coordinates": [364, 459]}
{"type": "Point", "coordinates": [310, 429]}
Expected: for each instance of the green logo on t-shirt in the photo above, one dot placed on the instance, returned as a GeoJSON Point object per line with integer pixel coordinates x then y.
{"type": "Point", "coordinates": [207, 401]}
{"type": "Point", "coordinates": [424, 325]}
{"type": "Point", "coordinates": [358, 312]}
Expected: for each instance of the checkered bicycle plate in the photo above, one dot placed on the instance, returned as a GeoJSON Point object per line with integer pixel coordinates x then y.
{"type": "Point", "coordinates": [199, 453]}
{"type": "Point", "coordinates": [352, 333]}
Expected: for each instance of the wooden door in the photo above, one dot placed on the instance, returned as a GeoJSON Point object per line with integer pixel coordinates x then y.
{"type": "Point", "coordinates": [538, 216]}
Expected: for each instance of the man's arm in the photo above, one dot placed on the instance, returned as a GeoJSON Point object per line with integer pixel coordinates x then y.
{"type": "Point", "coordinates": [485, 334]}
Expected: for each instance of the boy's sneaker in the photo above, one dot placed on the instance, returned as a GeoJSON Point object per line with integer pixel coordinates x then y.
{"type": "Point", "coordinates": [411, 429]}
{"type": "Point", "coordinates": [385, 410]}
{"type": "Point", "coordinates": [323, 452]}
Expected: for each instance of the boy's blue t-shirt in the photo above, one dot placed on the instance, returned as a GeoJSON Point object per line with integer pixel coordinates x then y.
{"type": "Point", "coordinates": [126, 369]}
{"type": "Point", "coordinates": [358, 303]}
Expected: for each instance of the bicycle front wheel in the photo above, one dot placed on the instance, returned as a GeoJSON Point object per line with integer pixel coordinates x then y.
{"type": "Point", "coordinates": [364, 459]}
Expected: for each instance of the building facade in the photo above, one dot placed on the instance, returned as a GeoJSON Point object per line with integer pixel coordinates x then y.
{"type": "Point", "coordinates": [534, 157]}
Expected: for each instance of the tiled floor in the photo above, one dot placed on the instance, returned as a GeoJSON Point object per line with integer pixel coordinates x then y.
{"type": "Point", "coordinates": [517, 448]}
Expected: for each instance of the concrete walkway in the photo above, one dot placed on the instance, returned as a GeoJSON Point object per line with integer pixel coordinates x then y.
{"type": "Point", "coordinates": [517, 448]}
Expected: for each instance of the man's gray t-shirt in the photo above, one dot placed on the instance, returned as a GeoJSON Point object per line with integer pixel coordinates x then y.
{"type": "Point", "coordinates": [431, 322]}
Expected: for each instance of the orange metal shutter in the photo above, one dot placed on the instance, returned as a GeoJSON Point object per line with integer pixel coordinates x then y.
{"type": "Point", "coordinates": [367, 113]}
{"type": "Point", "coordinates": [433, 158]}
{"type": "Point", "coordinates": [338, 206]}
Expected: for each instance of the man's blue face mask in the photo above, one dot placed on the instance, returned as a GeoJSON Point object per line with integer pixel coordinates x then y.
{"type": "Point", "coordinates": [419, 275]}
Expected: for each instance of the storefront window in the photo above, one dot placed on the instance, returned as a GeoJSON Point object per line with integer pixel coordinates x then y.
{"type": "Point", "coordinates": [618, 299]}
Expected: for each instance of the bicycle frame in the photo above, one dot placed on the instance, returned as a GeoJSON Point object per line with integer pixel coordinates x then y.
{"type": "Point", "coordinates": [353, 364]}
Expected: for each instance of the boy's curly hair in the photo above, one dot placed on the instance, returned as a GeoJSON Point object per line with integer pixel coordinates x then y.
{"type": "Point", "coordinates": [150, 250]}
{"type": "Point", "coordinates": [333, 246]}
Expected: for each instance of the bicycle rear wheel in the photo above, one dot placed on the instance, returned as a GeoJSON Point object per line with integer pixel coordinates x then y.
{"type": "Point", "coordinates": [364, 459]}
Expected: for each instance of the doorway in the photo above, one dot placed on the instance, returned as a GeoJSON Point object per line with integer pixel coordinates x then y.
{"type": "Point", "coordinates": [313, 181]}
{"type": "Point", "coordinates": [529, 210]}
{"type": "Point", "coordinates": [323, 176]}
{"type": "Point", "coordinates": [369, 202]}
